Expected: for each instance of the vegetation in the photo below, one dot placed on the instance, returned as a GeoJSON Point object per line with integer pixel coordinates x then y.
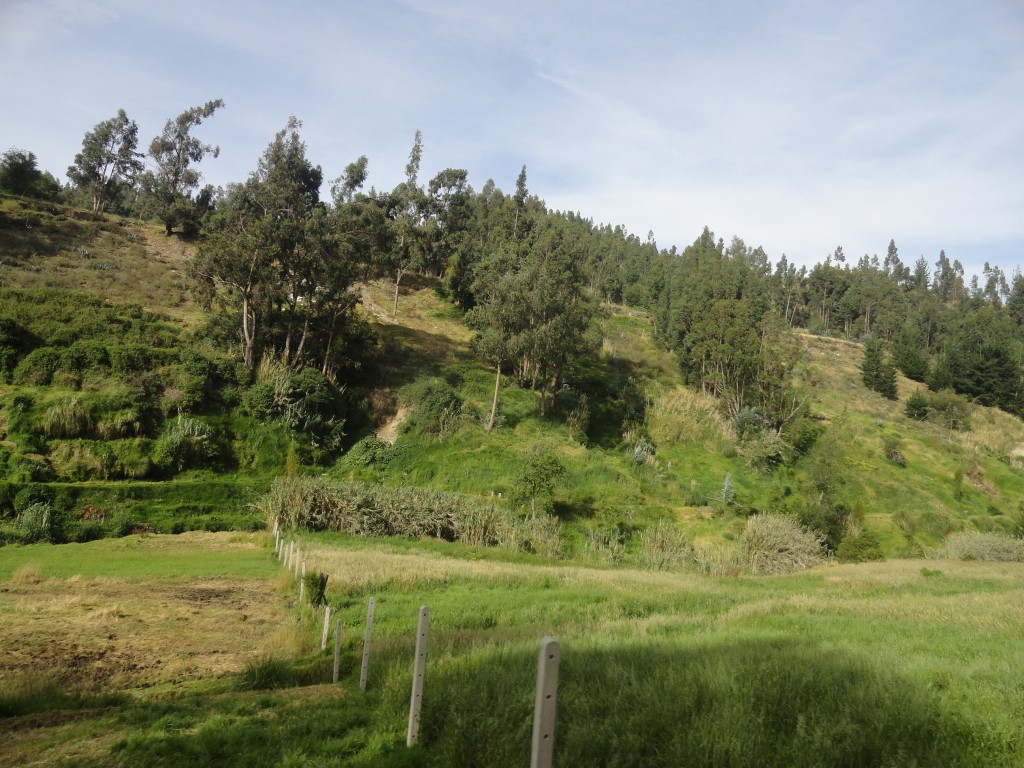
{"type": "Point", "coordinates": [839, 665]}
{"type": "Point", "coordinates": [534, 424]}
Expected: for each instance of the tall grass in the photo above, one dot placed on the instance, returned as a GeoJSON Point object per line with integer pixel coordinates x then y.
{"type": "Point", "coordinates": [323, 505]}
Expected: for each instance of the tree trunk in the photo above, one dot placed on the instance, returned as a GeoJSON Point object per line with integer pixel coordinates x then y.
{"type": "Point", "coordinates": [398, 279]}
{"type": "Point", "coordinates": [494, 402]}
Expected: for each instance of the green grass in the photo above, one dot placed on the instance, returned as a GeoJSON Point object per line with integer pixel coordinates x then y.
{"type": "Point", "coordinates": [875, 664]}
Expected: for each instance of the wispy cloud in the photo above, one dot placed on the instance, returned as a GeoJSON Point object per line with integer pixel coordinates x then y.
{"type": "Point", "coordinates": [797, 125]}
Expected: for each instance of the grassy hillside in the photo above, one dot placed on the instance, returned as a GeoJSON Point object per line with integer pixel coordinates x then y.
{"type": "Point", "coordinates": [637, 445]}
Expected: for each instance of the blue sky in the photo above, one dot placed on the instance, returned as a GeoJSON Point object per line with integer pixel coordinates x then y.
{"type": "Point", "coordinates": [797, 125]}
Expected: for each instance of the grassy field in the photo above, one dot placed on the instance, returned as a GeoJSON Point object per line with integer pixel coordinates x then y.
{"type": "Point", "coordinates": [904, 663]}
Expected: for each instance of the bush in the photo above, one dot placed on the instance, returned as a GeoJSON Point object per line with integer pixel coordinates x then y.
{"type": "Point", "coordinates": [319, 504]}
{"type": "Point", "coordinates": [827, 519]}
{"type": "Point", "coordinates": [951, 410]}
{"type": "Point", "coordinates": [917, 406]}
{"type": "Point", "coordinates": [77, 461]}
{"type": "Point", "coordinates": [186, 443]}
{"type": "Point", "coordinates": [778, 544]}
{"type": "Point", "coordinates": [973, 545]}
{"type": "Point", "coordinates": [859, 547]}
{"type": "Point", "coordinates": [438, 409]}
{"type": "Point", "coordinates": [891, 446]}
{"type": "Point", "coordinates": [36, 369]}
{"type": "Point", "coordinates": [68, 418]}
{"type": "Point", "coordinates": [316, 587]}
{"type": "Point", "coordinates": [37, 522]}
{"type": "Point", "coordinates": [664, 546]}
{"type": "Point", "coordinates": [267, 673]}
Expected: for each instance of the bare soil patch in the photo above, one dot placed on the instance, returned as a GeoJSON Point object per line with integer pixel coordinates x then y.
{"type": "Point", "coordinates": [108, 633]}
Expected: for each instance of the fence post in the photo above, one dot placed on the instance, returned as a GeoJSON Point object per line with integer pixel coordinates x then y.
{"type": "Point", "coordinates": [544, 704]}
{"type": "Point", "coordinates": [418, 668]}
{"type": "Point", "coordinates": [327, 627]}
{"type": "Point", "coordinates": [337, 648]}
{"type": "Point", "coordinates": [298, 554]}
{"type": "Point", "coordinates": [367, 640]}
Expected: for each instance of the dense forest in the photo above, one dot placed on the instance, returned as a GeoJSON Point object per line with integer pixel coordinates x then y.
{"type": "Point", "coordinates": [284, 362]}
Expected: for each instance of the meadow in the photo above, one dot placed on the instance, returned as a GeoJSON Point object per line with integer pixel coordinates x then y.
{"type": "Point", "coordinates": [901, 663]}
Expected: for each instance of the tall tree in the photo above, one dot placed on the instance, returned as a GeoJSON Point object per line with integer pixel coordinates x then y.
{"type": "Point", "coordinates": [258, 252]}
{"type": "Point", "coordinates": [174, 181]}
{"type": "Point", "coordinates": [20, 175]}
{"type": "Point", "coordinates": [108, 159]}
{"type": "Point", "coordinates": [408, 202]}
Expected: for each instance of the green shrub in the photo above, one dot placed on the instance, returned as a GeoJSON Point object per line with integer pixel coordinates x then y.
{"type": "Point", "coordinates": [78, 461]}
{"type": "Point", "coordinates": [438, 408]}
{"type": "Point", "coordinates": [891, 446]}
{"type": "Point", "coordinates": [36, 369]}
{"type": "Point", "coordinates": [186, 443]}
{"type": "Point", "coordinates": [319, 504]}
{"type": "Point", "coordinates": [951, 410]}
{"type": "Point", "coordinates": [859, 546]}
{"type": "Point", "coordinates": [37, 522]}
{"type": "Point", "coordinates": [917, 406]}
{"type": "Point", "coordinates": [29, 468]}
{"type": "Point", "coordinates": [69, 418]}
{"type": "Point", "coordinates": [267, 673]}
{"type": "Point", "coordinates": [316, 587]}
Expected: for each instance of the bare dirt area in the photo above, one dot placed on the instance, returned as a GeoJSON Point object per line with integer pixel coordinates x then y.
{"type": "Point", "coordinates": [104, 633]}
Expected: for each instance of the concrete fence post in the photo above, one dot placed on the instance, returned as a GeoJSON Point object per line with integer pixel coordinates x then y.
{"type": "Point", "coordinates": [367, 640]}
{"type": "Point", "coordinates": [419, 667]}
{"type": "Point", "coordinates": [542, 748]}
{"type": "Point", "coordinates": [337, 649]}
{"type": "Point", "coordinates": [327, 627]}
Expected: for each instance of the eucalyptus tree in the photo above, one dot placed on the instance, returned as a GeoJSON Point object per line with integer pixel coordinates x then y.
{"type": "Point", "coordinates": [408, 205]}
{"type": "Point", "coordinates": [172, 184]}
{"type": "Point", "coordinates": [108, 160]}
{"type": "Point", "coordinates": [264, 250]}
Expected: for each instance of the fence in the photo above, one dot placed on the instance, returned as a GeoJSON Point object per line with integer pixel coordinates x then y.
{"type": "Point", "coordinates": [545, 700]}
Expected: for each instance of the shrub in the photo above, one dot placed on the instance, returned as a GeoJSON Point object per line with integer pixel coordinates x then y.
{"type": "Point", "coordinates": [319, 504]}
{"type": "Point", "coordinates": [37, 522]}
{"type": "Point", "coordinates": [972, 545]}
{"type": "Point", "coordinates": [825, 518]}
{"type": "Point", "coordinates": [186, 442]}
{"type": "Point", "coordinates": [316, 587]}
{"type": "Point", "coordinates": [749, 423]}
{"type": "Point", "coordinates": [36, 369]}
{"type": "Point", "coordinates": [438, 409]}
{"type": "Point", "coordinates": [68, 418]}
{"type": "Point", "coordinates": [859, 546]}
{"type": "Point", "coordinates": [267, 673]}
{"type": "Point", "coordinates": [28, 468]}
{"type": "Point", "coordinates": [664, 546]}
{"type": "Point", "coordinates": [801, 434]}
{"type": "Point", "coordinates": [917, 406]}
{"type": "Point", "coordinates": [77, 461]}
{"type": "Point", "coordinates": [951, 410]}
{"type": "Point", "coordinates": [778, 544]}
{"type": "Point", "coordinates": [891, 445]}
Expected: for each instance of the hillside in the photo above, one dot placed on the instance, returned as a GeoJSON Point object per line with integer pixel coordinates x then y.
{"type": "Point", "coordinates": [615, 517]}
{"type": "Point", "coordinates": [636, 444]}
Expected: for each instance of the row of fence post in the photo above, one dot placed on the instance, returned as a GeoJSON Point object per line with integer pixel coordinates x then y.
{"type": "Point", "coordinates": [543, 739]}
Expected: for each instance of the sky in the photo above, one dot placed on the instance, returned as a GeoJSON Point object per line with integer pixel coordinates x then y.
{"type": "Point", "coordinates": [796, 125]}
